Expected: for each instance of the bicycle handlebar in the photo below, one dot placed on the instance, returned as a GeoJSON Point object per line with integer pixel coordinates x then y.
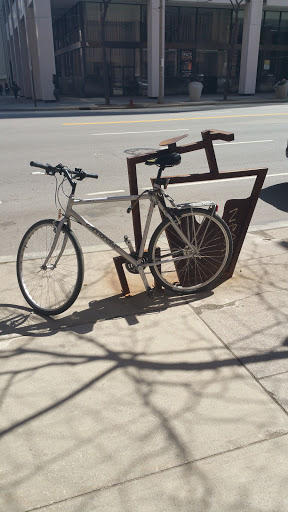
{"type": "Point", "coordinates": [78, 173]}
{"type": "Point", "coordinates": [41, 166]}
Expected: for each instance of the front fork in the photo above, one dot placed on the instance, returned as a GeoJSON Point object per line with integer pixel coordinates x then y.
{"type": "Point", "coordinates": [57, 229]}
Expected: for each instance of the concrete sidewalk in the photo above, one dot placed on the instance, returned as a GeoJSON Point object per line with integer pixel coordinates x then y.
{"type": "Point", "coordinates": [133, 405]}
{"type": "Point", "coordinates": [9, 103]}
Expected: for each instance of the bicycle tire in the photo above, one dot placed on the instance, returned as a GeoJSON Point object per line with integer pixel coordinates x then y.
{"type": "Point", "coordinates": [49, 291]}
{"type": "Point", "coordinates": [213, 242]}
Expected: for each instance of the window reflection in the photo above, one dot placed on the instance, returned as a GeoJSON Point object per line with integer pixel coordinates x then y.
{"type": "Point", "coordinates": [270, 27]}
{"type": "Point", "coordinates": [197, 43]}
{"type": "Point", "coordinates": [213, 25]}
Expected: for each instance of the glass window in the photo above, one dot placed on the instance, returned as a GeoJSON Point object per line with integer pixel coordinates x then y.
{"type": "Point", "coordinates": [73, 24]}
{"type": "Point", "coordinates": [58, 63]}
{"type": "Point", "coordinates": [143, 23]}
{"type": "Point", "coordinates": [76, 63]}
{"type": "Point", "coordinates": [171, 24]}
{"type": "Point", "coordinates": [93, 61]}
{"type": "Point", "coordinates": [170, 63]}
{"type": "Point", "coordinates": [122, 57]}
{"type": "Point", "coordinates": [283, 30]}
{"type": "Point", "coordinates": [213, 25]}
{"type": "Point", "coordinates": [187, 24]}
{"type": "Point", "coordinates": [204, 25]}
{"type": "Point", "coordinates": [144, 64]}
{"type": "Point", "coordinates": [92, 22]}
{"type": "Point", "coordinates": [273, 63]}
{"type": "Point", "coordinates": [67, 30]}
{"type": "Point", "coordinates": [123, 71]}
{"type": "Point", "coordinates": [270, 27]}
{"type": "Point", "coordinates": [123, 23]}
{"type": "Point", "coordinates": [180, 24]}
{"type": "Point", "coordinates": [240, 25]}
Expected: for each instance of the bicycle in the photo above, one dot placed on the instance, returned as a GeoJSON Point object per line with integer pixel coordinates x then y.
{"type": "Point", "coordinates": [188, 251]}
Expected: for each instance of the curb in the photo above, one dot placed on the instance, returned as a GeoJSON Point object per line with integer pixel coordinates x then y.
{"type": "Point", "coordinates": [127, 106]}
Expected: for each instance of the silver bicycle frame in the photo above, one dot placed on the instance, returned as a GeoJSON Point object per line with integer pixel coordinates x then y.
{"type": "Point", "coordinates": [152, 196]}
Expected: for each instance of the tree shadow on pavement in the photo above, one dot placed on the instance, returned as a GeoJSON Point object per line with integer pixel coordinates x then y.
{"type": "Point", "coordinates": [22, 321]}
{"type": "Point", "coordinates": [124, 403]}
{"type": "Point", "coordinates": [114, 352]}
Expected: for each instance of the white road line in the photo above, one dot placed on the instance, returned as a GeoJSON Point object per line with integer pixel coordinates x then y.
{"type": "Point", "coordinates": [278, 174]}
{"type": "Point", "coordinates": [144, 131]}
{"type": "Point", "coordinates": [213, 182]}
{"type": "Point", "coordinates": [105, 192]}
{"type": "Point", "coordinates": [38, 172]}
{"type": "Point", "coordinates": [244, 142]}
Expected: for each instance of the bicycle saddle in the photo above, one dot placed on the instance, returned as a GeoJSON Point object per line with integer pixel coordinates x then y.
{"type": "Point", "coordinates": [168, 160]}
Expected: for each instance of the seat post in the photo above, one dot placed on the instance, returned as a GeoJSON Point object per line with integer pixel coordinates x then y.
{"type": "Point", "coordinates": [158, 178]}
{"type": "Point", "coordinates": [172, 147]}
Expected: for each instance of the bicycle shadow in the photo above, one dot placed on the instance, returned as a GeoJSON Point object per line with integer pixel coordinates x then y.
{"type": "Point", "coordinates": [17, 320]}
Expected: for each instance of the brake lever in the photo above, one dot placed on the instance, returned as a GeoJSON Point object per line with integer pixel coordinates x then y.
{"type": "Point", "coordinates": [81, 175]}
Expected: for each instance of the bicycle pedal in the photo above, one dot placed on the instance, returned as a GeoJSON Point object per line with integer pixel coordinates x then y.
{"type": "Point", "coordinates": [150, 293]}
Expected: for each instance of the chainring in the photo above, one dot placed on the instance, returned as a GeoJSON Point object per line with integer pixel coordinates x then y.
{"type": "Point", "coordinates": [130, 267]}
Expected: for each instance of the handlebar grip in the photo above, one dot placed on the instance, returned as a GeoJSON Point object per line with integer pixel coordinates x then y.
{"type": "Point", "coordinates": [41, 166]}
{"type": "Point", "coordinates": [95, 176]}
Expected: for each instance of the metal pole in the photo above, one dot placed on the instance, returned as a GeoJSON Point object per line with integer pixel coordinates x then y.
{"type": "Point", "coordinates": [33, 84]}
{"type": "Point", "coordinates": [161, 50]}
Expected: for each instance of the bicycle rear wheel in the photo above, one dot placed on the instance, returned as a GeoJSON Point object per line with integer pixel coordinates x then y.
{"type": "Point", "coordinates": [182, 270]}
{"type": "Point", "coordinates": [53, 288]}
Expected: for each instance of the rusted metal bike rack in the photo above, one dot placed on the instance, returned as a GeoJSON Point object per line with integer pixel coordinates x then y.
{"type": "Point", "coordinates": [237, 212]}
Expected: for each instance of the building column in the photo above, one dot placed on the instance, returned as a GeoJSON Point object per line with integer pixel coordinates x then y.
{"type": "Point", "coordinates": [27, 87]}
{"type": "Point", "coordinates": [5, 36]}
{"type": "Point", "coordinates": [44, 47]}
{"type": "Point", "coordinates": [32, 51]}
{"type": "Point", "coordinates": [153, 46]}
{"type": "Point", "coordinates": [12, 23]}
{"type": "Point", "coordinates": [18, 61]}
{"type": "Point", "coordinates": [22, 60]}
{"type": "Point", "coordinates": [250, 46]}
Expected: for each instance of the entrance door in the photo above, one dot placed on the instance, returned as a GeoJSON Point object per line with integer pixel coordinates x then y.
{"type": "Point", "coordinates": [212, 65]}
{"type": "Point", "coordinates": [123, 81]}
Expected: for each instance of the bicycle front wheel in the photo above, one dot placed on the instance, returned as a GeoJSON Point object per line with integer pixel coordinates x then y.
{"type": "Point", "coordinates": [49, 288]}
{"type": "Point", "coordinates": [181, 269]}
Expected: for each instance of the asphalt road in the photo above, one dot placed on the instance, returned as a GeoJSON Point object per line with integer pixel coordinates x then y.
{"type": "Point", "coordinates": [100, 142]}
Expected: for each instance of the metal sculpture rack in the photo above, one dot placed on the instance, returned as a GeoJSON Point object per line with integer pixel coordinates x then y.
{"type": "Point", "coordinates": [237, 212]}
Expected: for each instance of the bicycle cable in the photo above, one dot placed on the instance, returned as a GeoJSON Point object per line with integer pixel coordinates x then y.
{"type": "Point", "coordinates": [57, 200]}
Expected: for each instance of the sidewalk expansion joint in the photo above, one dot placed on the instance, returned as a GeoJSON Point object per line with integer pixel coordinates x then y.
{"type": "Point", "coordinates": [241, 363]}
{"type": "Point", "coordinates": [274, 375]}
{"type": "Point", "coordinates": [277, 434]}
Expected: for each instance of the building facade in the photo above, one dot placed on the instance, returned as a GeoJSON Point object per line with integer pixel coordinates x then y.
{"type": "Point", "coordinates": [188, 39]}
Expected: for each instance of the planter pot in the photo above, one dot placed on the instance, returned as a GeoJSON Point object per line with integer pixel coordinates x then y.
{"type": "Point", "coordinates": [195, 90]}
{"type": "Point", "coordinates": [281, 91]}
